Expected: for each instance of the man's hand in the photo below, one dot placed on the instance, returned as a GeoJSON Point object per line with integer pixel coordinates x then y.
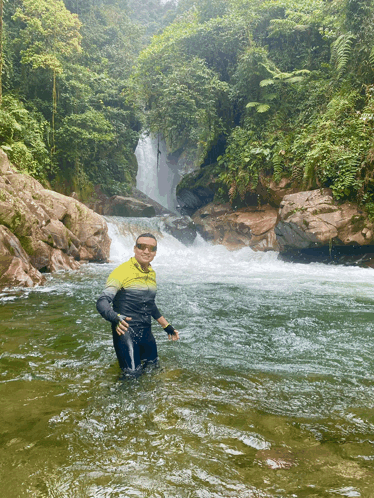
{"type": "Point", "coordinates": [174, 337]}
{"type": "Point", "coordinates": [123, 326]}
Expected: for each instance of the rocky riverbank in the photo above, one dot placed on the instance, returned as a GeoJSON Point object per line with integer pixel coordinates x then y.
{"type": "Point", "coordinates": [308, 226]}
{"type": "Point", "coordinates": [43, 231]}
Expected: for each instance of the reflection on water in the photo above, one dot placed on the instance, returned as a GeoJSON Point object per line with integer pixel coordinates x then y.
{"type": "Point", "coordinates": [268, 394]}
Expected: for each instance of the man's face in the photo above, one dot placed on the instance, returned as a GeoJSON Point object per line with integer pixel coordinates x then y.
{"type": "Point", "coordinates": [146, 255]}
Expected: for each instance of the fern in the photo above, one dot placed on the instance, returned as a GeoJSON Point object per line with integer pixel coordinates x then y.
{"type": "Point", "coordinates": [295, 79]}
{"type": "Point", "coordinates": [297, 173]}
{"type": "Point", "coordinates": [266, 82]}
{"type": "Point", "coordinates": [277, 161]}
{"type": "Point", "coordinates": [259, 107]}
{"type": "Point", "coordinates": [341, 50]}
{"type": "Point", "coordinates": [371, 57]}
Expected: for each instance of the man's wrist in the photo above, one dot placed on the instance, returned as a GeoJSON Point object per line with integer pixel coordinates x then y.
{"type": "Point", "coordinates": [169, 329]}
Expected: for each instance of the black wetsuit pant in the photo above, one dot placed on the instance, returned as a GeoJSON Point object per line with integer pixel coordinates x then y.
{"type": "Point", "coordinates": [137, 345]}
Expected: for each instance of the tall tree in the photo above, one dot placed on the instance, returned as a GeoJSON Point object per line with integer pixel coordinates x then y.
{"type": "Point", "coordinates": [1, 50]}
{"type": "Point", "coordinates": [51, 33]}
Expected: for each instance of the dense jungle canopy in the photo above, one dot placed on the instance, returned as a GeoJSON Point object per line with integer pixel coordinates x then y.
{"type": "Point", "coordinates": [245, 88]}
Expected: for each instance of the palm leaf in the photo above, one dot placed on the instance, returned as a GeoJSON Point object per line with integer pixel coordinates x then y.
{"type": "Point", "coordinates": [263, 108]}
{"type": "Point", "coordinates": [266, 82]}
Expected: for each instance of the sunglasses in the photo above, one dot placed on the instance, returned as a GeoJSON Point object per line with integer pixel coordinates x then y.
{"type": "Point", "coordinates": [143, 247]}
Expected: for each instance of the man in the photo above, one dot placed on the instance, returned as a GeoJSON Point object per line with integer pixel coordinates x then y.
{"type": "Point", "coordinates": [129, 296]}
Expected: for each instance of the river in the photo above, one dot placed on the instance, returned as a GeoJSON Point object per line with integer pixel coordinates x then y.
{"type": "Point", "coordinates": [269, 392]}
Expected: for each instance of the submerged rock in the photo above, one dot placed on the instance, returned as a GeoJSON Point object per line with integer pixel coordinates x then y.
{"type": "Point", "coordinates": [182, 228]}
{"type": "Point", "coordinates": [252, 227]}
{"type": "Point", "coordinates": [54, 231]}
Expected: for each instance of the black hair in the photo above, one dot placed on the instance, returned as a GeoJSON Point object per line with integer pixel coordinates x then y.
{"type": "Point", "coordinates": [149, 235]}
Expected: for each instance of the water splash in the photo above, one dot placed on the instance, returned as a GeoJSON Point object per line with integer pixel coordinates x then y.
{"type": "Point", "coordinates": [205, 262]}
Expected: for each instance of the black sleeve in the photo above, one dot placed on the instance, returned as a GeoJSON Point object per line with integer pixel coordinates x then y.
{"type": "Point", "coordinates": [104, 305]}
{"type": "Point", "coordinates": [156, 312]}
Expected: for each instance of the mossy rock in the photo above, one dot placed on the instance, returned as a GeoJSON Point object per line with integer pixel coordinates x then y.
{"type": "Point", "coordinates": [206, 176]}
{"type": "Point", "coordinates": [27, 244]}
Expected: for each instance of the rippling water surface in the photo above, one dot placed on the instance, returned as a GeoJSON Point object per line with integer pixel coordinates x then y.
{"type": "Point", "coordinates": [269, 393]}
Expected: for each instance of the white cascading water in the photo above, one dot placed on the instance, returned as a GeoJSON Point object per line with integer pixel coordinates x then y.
{"type": "Point", "coordinates": [203, 262]}
{"type": "Point", "coordinates": [157, 177]}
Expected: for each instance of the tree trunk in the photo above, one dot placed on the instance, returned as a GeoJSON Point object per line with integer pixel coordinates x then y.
{"type": "Point", "coordinates": [54, 108]}
{"type": "Point", "coordinates": [1, 50]}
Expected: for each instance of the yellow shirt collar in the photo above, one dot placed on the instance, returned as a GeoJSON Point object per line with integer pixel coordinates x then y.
{"type": "Point", "coordinates": [139, 266]}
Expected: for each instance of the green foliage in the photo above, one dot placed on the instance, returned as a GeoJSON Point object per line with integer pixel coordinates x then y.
{"type": "Point", "coordinates": [96, 123]}
{"type": "Point", "coordinates": [23, 137]}
{"type": "Point", "coordinates": [186, 106]}
{"type": "Point", "coordinates": [243, 161]}
{"type": "Point", "coordinates": [332, 147]}
{"type": "Point", "coordinates": [285, 86]}
{"type": "Point", "coordinates": [182, 96]}
{"type": "Point", "coordinates": [81, 136]}
{"type": "Point", "coordinates": [49, 32]}
{"type": "Point", "coordinates": [249, 71]}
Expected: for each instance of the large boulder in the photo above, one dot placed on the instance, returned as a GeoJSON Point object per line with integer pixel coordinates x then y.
{"type": "Point", "coordinates": [55, 231]}
{"type": "Point", "coordinates": [126, 206]}
{"type": "Point", "coordinates": [313, 218]}
{"type": "Point", "coordinates": [181, 227]}
{"type": "Point", "coordinates": [312, 223]}
{"type": "Point", "coordinates": [251, 227]}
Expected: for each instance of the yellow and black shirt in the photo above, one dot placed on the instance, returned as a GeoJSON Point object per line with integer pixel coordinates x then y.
{"type": "Point", "coordinates": [130, 291]}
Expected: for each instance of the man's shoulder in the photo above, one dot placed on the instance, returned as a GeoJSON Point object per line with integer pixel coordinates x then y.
{"type": "Point", "coordinates": [123, 269]}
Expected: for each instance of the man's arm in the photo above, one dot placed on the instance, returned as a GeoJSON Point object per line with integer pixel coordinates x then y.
{"type": "Point", "coordinates": [104, 306]}
{"type": "Point", "coordinates": [173, 334]}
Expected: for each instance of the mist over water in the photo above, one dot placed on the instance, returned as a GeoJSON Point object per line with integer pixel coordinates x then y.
{"type": "Point", "coordinates": [269, 392]}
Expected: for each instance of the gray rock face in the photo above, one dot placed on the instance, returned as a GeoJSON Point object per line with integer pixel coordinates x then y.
{"type": "Point", "coordinates": [182, 228]}
{"type": "Point", "coordinates": [190, 200]}
{"type": "Point", "coordinates": [129, 207]}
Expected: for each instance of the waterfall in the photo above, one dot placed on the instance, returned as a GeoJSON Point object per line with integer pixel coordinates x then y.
{"type": "Point", "coordinates": [157, 177]}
